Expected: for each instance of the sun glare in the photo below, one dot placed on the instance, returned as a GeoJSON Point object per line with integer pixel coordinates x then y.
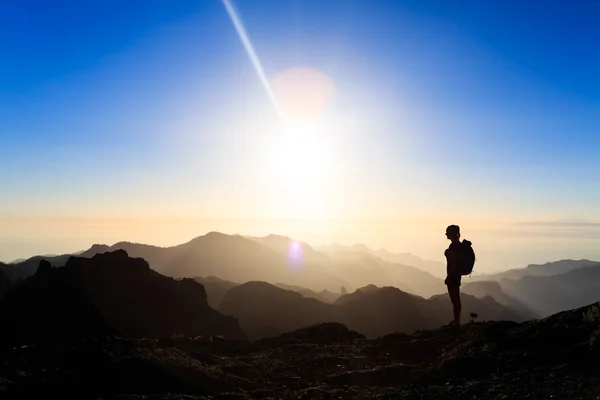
{"type": "Point", "coordinates": [298, 159]}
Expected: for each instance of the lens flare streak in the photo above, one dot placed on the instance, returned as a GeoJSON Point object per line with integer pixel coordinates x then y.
{"type": "Point", "coordinates": [295, 254]}
{"type": "Point", "coordinates": [243, 35]}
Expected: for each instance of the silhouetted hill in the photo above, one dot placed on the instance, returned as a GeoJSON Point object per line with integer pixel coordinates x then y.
{"type": "Point", "coordinates": [266, 310]}
{"type": "Point", "coordinates": [230, 257]}
{"type": "Point", "coordinates": [324, 296]}
{"type": "Point", "coordinates": [107, 294]}
{"type": "Point", "coordinates": [551, 358]}
{"type": "Point", "coordinates": [363, 293]}
{"type": "Point", "coordinates": [375, 311]}
{"type": "Point", "coordinates": [13, 272]}
{"type": "Point", "coordinates": [547, 269]}
{"type": "Point", "coordinates": [547, 295]}
{"type": "Point", "coordinates": [29, 266]}
{"type": "Point", "coordinates": [482, 289]}
{"type": "Point", "coordinates": [215, 289]}
{"type": "Point", "coordinates": [45, 256]}
{"type": "Point", "coordinates": [361, 269]}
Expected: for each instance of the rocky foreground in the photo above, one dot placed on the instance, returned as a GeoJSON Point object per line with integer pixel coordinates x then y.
{"type": "Point", "coordinates": [557, 357]}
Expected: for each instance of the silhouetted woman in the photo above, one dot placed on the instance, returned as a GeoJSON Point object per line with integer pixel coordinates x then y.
{"type": "Point", "coordinates": [453, 271]}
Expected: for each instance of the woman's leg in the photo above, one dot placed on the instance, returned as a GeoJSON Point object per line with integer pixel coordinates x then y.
{"type": "Point", "coordinates": [454, 292]}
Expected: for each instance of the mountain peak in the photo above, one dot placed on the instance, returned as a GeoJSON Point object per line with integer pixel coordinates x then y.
{"type": "Point", "coordinates": [361, 247]}
{"type": "Point", "coordinates": [99, 248]}
{"type": "Point", "coordinates": [216, 234]}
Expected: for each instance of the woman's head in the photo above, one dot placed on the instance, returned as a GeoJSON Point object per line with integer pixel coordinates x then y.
{"type": "Point", "coordinates": [453, 232]}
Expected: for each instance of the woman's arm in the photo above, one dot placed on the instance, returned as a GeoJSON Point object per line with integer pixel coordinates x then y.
{"type": "Point", "coordinates": [454, 262]}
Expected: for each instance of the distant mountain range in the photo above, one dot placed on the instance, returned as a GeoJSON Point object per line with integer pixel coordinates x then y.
{"type": "Point", "coordinates": [113, 293]}
{"type": "Point", "coordinates": [229, 257]}
{"type": "Point", "coordinates": [543, 289]}
{"type": "Point", "coordinates": [548, 295]}
{"type": "Point", "coordinates": [221, 262]}
{"type": "Point", "coordinates": [363, 268]}
{"type": "Point", "coordinates": [482, 289]}
{"type": "Point", "coordinates": [435, 268]}
{"type": "Point", "coordinates": [547, 269]}
{"type": "Point", "coordinates": [272, 258]}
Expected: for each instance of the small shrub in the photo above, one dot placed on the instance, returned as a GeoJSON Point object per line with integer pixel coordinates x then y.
{"type": "Point", "coordinates": [473, 317]}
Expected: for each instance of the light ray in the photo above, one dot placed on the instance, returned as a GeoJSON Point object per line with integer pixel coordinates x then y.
{"type": "Point", "coordinates": [241, 31]}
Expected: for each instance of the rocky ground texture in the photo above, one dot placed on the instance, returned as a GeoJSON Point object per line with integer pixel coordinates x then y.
{"type": "Point", "coordinates": [557, 357]}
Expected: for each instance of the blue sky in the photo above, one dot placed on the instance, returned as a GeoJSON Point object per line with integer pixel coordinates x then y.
{"type": "Point", "coordinates": [482, 111]}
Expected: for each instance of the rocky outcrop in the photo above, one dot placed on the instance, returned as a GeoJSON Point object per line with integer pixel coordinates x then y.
{"type": "Point", "coordinates": [110, 293]}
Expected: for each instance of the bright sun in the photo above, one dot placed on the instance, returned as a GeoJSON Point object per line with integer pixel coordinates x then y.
{"type": "Point", "coordinates": [299, 158]}
{"type": "Point", "coordinates": [299, 165]}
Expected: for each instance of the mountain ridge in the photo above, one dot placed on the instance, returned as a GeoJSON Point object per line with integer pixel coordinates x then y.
{"type": "Point", "coordinates": [230, 257]}
{"type": "Point", "coordinates": [545, 269]}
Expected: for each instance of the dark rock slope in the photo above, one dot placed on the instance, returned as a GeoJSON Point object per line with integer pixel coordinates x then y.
{"type": "Point", "coordinates": [551, 358]}
{"type": "Point", "coordinates": [110, 293]}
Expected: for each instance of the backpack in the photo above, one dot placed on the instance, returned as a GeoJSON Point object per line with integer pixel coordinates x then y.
{"type": "Point", "coordinates": [467, 257]}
